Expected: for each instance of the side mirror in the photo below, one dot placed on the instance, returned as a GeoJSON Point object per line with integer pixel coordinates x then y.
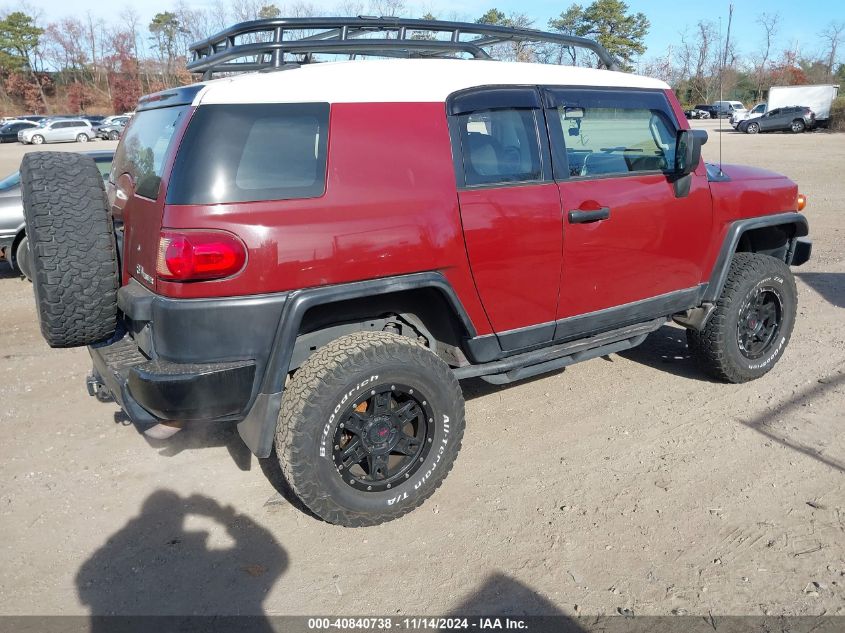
{"type": "Point", "coordinates": [688, 151]}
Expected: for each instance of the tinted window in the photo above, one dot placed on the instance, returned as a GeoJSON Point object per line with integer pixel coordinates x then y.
{"type": "Point", "coordinates": [500, 146]}
{"type": "Point", "coordinates": [249, 152]}
{"type": "Point", "coordinates": [142, 150]}
{"type": "Point", "coordinates": [104, 165]}
{"type": "Point", "coordinates": [615, 132]}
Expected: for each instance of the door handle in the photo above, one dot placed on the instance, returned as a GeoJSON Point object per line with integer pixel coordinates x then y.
{"type": "Point", "coordinates": [580, 216]}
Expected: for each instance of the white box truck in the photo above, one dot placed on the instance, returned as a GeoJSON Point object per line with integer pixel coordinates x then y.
{"type": "Point", "coordinates": [818, 98]}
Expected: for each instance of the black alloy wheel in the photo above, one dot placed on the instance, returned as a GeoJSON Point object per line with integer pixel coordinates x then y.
{"type": "Point", "coordinates": [383, 439]}
{"type": "Point", "coordinates": [759, 322]}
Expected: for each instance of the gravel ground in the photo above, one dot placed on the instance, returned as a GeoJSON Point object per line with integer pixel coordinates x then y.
{"type": "Point", "coordinates": [630, 482]}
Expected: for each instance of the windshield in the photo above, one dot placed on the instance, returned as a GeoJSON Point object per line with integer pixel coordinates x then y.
{"type": "Point", "coordinates": [142, 151]}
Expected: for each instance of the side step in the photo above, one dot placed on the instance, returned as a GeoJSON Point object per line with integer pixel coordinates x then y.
{"type": "Point", "coordinates": [529, 364]}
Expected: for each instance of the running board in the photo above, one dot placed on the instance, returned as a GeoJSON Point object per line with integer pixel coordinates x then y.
{"type": "Point", "coordinates": [529, 364]}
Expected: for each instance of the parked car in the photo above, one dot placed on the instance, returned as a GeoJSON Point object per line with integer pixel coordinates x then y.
{"type": "Point", "coordinates": [696, 114]}
{"type": "Point", "coordinates": [724, 109]}
{"type": "Point", "coordinates": [33, 117]}
{"type": "Point", "coordinates": [756, 111]}
{"type": "Point", "coordinates": [468, 219]}
{"type": "Point", "coordinates": [94, 119]}
{"type": "Point", "coordinates": [58, 130]}
{"type": "Point", "coordinates": [9, 131]}
{"type": "Point", "coordinates": [14, 246]}
{"type": "Point", "coordinates": [708, 110]}
{"type": "Point", "coordinates": [794, 119]}
{"type": "Point", "coordinates": [112, 129]}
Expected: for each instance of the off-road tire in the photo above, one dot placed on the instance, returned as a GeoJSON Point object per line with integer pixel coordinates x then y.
{"type": "Point", "coordinates": [716, 348]}
{"type": "Point", "coordinates": [72, 248]}
{"type": "Point", "coordinates": [311, 412]}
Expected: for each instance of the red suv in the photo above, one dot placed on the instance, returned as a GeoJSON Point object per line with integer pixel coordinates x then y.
{"type": "Point", "coordinates": [322, 251]}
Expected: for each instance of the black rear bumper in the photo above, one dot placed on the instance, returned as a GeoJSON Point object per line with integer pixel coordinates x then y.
{"type": "Point", "coordinates": [188, 359]}
{"type": "Point", "coordinates": [150, 391]}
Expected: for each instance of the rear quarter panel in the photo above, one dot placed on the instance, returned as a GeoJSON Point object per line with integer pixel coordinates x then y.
{"type": "Point", "coordinates": [390, 208]}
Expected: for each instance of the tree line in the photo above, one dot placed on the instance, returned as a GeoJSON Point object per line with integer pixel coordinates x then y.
{"type": "Point", "coordinates": [84, 64]}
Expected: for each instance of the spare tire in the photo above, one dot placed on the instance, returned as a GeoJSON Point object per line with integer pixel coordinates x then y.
{"type": "Point", "coordinates": [72, 246]}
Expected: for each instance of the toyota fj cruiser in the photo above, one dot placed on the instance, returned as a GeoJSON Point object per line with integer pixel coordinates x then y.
{"type": "Point", "coordinates": [321, 251]}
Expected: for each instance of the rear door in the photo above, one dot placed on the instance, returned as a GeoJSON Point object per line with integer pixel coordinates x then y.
{"type": "Point", "coordinates": [510, 209]}
{"type": "Point", "coordinates": [631, 247]}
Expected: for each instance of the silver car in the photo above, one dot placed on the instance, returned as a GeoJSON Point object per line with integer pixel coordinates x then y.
{"type": "Point", "coordinates": [58, 131]}
{"type": "Point", "coordinates": [14, 246]}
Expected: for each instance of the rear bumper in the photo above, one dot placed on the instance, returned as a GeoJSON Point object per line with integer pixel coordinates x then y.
{"type": "Point", "coordinates": [187, 359]}
{"type": "Point", "coordinates": [150, 391]}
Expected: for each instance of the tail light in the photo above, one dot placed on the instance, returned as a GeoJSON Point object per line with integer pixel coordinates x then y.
{"type": "Point", "coordinates": [199, 255]}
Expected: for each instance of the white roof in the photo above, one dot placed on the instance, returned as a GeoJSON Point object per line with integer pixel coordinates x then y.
{"type": "Point", "coordinates": [401, 80]}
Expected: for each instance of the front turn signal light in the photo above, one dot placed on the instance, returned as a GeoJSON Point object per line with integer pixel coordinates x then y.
{"type": "Point", "coordinates": [802, 201]}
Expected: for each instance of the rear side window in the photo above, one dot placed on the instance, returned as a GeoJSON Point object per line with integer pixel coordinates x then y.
{"type": "Point", "coordinates": [252, 152]}
{"type": "Point", "coordinates": [500, 147]}
{"type": "Point", "coordinates": [142, 150]}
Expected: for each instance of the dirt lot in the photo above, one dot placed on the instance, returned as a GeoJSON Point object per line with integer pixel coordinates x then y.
{"type": "Point", "coordinates": [629, 482]}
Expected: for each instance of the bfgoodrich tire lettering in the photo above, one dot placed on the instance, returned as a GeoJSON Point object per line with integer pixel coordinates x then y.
{"type": "Point", "coordinates": [72, 248]}
{"type": "Point", "coordinates": [348, 371]}
{"type": "Point", "coordinates": [726, 348]}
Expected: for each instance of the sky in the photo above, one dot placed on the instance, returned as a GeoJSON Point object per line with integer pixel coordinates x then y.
{"type": "Point", "coordinates": [798, 27]}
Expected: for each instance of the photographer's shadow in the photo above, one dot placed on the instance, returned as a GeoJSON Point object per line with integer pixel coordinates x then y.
{"type": "Point", "coordinates": [156, 565]}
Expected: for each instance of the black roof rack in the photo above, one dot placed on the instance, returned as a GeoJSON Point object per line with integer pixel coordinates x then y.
{"type": "Point", "coordinates": [267, 44]}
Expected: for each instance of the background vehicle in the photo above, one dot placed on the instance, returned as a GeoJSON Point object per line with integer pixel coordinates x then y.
{"type": "Point", "coordinates": [740, 115]}
{"type": "Point", "coordinates": [724, 109]}
{"type": "Point", "coordinates": [793, 119]}
{"type": "Point", "coordinates": [817, 98]}
{"type": "Point", "coordinates": [113, 128]}
{"type": "Point", "coordinates": [696, 114]}
{"type": "Point", "coordinates": [709, 110]}
{"type": "Point", "coordinates": [330, 304]}
{"type": "Point", "coordinates": [58, 131]}
{"type": "Point", "coordinates": [9, 131]}
{"type": "Point", "coordinates": [14, 247]}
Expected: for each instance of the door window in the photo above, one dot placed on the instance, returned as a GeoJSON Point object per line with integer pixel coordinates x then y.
{"type": "Point", "coordinates": [500, 147]}
{"type": "Point", "coordinates": [612, 133]}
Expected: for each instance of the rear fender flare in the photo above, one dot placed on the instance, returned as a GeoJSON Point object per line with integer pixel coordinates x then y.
{"type": "Point", "coordinates": [258, 427]}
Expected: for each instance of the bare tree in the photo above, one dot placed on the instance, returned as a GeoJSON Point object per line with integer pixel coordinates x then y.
{"type": "Point", "coordinates": [832, 35]}
{"type": "Point", "coordinates": [770, 23]}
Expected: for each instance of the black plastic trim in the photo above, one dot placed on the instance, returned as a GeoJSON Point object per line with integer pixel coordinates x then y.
{"type": "Point", "coordinates": [734, 233]}
{"type": "Point", "coordinates": [257, 428]}
{"type": "Point", "coordinates": [801, 251]}
{"type": "Point", "coordinates": [172, 391]}
{"type": "Point", "coordinates": [492, 97]}
{"type": "Point", "coordinates": [547, 357]}
{"type": "Point", "coordinates": [492, 347]}
{"type": "Point", "coordinates": [183, 95]}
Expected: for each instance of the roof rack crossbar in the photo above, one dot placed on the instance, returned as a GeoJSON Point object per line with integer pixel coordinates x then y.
{"type": "Point", "coordinates": [218, 53]}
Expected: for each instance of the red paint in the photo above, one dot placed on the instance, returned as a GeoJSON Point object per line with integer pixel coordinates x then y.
{"type": "Point", "coordinates": [651, 244]}
{"type": "Point", "coordinates": [391, 207]}
{"type": "Point", "coordinates": [514, 240]}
